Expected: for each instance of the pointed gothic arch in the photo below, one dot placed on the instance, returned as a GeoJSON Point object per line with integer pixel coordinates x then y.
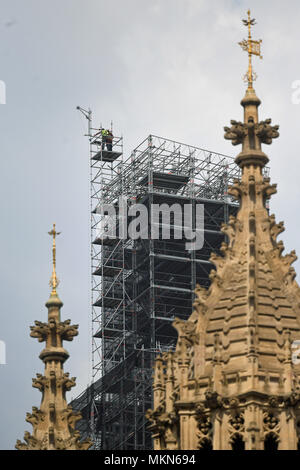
{"type": "Point", "coordinates": [237, 442]}
{"type": "Point", "coordinates": [271, 442]}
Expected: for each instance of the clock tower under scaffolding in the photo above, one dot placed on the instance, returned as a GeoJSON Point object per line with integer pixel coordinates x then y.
{"type": "Point", "coordinates": [140, 286]}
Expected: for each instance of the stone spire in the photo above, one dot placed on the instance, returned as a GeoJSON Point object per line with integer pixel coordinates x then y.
{"type": "Point", "coordinates": [233, 381]}
{"type": "Point", "coordinates": [54, 422]}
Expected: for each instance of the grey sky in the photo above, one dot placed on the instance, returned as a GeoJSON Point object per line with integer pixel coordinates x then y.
{"type": "Point", "coordinates": [167, 67]}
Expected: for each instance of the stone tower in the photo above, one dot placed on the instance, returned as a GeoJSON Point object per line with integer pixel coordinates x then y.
{"type": "Point", "coordinates": [234, 381]}
{"type": "Point", "coordinates": [54, 422]}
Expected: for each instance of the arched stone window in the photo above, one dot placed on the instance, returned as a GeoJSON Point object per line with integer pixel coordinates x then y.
{"type": "Point", "coordinates": [271, 442]}
{"type": "Point", "coordinates": [237, 443]}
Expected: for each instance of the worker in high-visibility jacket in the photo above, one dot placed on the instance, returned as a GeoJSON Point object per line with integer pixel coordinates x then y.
{"type": "Point", "coordinates": [107, 139]}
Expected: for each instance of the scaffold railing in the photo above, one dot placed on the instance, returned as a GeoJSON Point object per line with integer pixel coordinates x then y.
{"type": "Point", "coordinates": [205, 173]}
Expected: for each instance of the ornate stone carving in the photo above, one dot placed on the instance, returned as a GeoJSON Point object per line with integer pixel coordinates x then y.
{"type": "Point", "coordinates": [213, 400]}
{"type": "Point", "coordinates": [263, 130]}
{"type": "Point", "coordinates": [165, 425]}
{"type": "Point", "coordinates": [237, 422]}
{"type": "Point", "coordinates": [271, 422]}
{"type": "Point", "coordinates": [40, 331]}
{"type": "Point", "coordinates": [266, 132]}
{"type": "Point", "coordinates": [236, 133]}
{"type": "Point", "coordinates": [67, 331]}
{"type": "Point", "coordinates": [54, 423]}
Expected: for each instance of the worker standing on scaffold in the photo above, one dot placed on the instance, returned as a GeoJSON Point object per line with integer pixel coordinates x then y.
{"type": "Point", "coordinates": [107, 139]}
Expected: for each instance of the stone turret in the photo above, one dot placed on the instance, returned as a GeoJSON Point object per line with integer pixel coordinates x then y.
{"type": "Point", "coordinates": [232, 382]}
{"type": "Point", "coordinates": [54, 422]}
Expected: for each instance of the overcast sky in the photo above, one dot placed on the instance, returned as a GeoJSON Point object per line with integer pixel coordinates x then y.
{"type": "Point", "coordinates": [167, 67]}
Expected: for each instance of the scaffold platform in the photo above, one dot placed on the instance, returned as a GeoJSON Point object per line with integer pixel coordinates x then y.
{"type": "Point", "coordinates": [106, 156]}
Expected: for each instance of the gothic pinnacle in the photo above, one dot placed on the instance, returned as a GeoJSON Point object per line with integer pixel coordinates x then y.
{"type": "Point", "coordinates": [251, 133]}
{"type": "Point", "coordinates": [54, 424]}
{"type": "Point", "coordinates": [232, 383]}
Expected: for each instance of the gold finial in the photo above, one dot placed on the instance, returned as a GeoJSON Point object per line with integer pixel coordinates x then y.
{"type": "Point", "coordinates": [253, 48]}
{"type": "Point", "coordinates": [54, 280]}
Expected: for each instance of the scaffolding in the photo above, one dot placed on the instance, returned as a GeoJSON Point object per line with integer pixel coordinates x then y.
{"type": "Point", "coordinates": [139, 286]}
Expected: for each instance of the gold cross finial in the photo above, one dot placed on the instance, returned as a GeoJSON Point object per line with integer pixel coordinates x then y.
{"type": "Point", "coordinates": [54, 280]}
{"type": "Point", "coordinates": [253, 48]}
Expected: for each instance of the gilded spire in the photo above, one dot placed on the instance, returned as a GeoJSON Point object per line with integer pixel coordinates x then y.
{"type": "Point", "coordinates": [253, 48]}
{"type": "Point", "coordinates": [251, 133]}
{"type": "Point", "coordinates": [54, 423]}
{"type": "Point", "coordinates": [54, 281]}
